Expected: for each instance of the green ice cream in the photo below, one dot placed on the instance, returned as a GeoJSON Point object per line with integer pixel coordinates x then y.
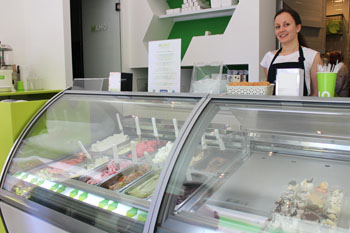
{"type": "Point", "coordinates": [146, 189]}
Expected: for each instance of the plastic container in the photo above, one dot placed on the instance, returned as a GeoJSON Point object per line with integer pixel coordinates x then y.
{"type": "Point", "coordinates": [5, 80]}
{"type": "Point", "coordinates": [250, 90]}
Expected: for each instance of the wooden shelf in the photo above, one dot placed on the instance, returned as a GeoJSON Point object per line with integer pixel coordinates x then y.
{"type": "Point", "coordinates": [201, 14]}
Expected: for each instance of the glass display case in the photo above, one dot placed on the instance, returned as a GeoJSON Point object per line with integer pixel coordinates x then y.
{"type": "Point", "coordinates": [268, 165]}
{"type": "Point", "coordinates": [106, 162]}
{"type": "Point", "coordinates": [95, 158]}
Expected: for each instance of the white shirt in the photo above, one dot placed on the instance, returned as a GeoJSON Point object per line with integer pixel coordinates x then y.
{"type": "Point", "coordinates": [309, 55]}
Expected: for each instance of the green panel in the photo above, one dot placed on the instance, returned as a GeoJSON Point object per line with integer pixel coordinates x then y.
{"type": "Point", "coordinates": [232, 224]}
{"type": "Point", "coordinates": [187, 29]}
{"type": "Point", "coordinates": [14, 117]}
{"type": "Point", "coordinates": [175, 3]}
{"type": "Point", "coordinates": [2, 228]}
{"type": "Point", "coordinates": [6, 132]}
{"type": "Point", "coordinates": [178, 3]}
{"type": "Point", "coordinates": [22, 112]}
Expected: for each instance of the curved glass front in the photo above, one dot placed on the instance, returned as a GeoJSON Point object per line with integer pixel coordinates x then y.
{"type": "Point", "coordinates": [97, 158]}
{"type": "Point", "coordinates": [255, 166]}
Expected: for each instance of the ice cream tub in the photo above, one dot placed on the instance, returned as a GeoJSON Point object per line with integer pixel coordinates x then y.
{"type": "Point", "coordinates": [145, 186]}
{"type": "Point", "coordinates": [105, 146]}
{"type": "Point", "coordinates": [104, 172]}
{"type": "Point", "coordinates": [52, 173]}
{"type": "Point", "coordinates": [211, 163]}
{"type": "Point", "coordinates": [126, 177]}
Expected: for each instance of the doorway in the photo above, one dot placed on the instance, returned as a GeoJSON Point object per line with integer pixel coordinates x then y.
{"type": "Point", "coordinates": [96, 41]}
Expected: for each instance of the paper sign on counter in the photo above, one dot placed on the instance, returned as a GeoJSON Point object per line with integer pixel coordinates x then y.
{"type": "Point", "coordinates": [164, 66]}
{"type": "Point", "coordinates": [114, 81]}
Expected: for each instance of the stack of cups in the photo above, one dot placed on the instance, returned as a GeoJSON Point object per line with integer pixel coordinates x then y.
{"type": "Point", "coordinates": [326, 83]}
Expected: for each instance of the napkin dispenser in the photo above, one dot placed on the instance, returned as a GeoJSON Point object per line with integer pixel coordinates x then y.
{"type": "Point", "coordinates": [290, 82]}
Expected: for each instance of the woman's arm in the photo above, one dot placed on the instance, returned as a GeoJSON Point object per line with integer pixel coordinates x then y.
{"type": "Point", "coordinates": [314, 88]}
{"type": "Point", "coordinates": [266, 71]}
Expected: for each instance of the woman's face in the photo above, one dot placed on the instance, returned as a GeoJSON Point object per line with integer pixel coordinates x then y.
{"type": "Point", "coordinates": [285, 28]}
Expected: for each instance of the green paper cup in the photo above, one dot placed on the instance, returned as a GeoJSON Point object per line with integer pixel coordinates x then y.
{"type": "Point", "coordinates": [326, 84]}
{"type": "Point", "coordinates": [20, 86]}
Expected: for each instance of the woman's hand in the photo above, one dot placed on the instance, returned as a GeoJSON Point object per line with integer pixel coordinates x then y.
{"type": "Point", "coordinates": [313, 86]}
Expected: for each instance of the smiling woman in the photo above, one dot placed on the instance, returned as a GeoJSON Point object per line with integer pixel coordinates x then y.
{"type": "Point", "coordinates": [293, 53]}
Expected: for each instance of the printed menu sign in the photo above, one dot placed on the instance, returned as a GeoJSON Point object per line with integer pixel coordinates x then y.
{"type": "Point", "coordinates": [164, 66]}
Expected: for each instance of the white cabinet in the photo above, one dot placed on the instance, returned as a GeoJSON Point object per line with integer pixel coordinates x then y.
{"type": "Point", "coordinates": [248, 35]}
{"type": "Point", "coordinates": [201, 14]}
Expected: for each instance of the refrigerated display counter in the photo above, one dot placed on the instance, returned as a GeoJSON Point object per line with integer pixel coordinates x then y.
{"type": "Point", "coordinates": [136, 162]}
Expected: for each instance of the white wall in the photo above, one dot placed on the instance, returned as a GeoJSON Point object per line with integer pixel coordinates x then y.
{"type": "Point", "coordinates": [39, 33]}
{"type": "Point", "coordinates": [140, 24]}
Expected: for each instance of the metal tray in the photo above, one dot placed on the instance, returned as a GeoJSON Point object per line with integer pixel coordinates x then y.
{"type": "Point", "coordinates": [141, 159]}
{"type": "Point", "coordinates": [122, 146]}
{"type": "Point", "coordinates": [142, 181]}
{"type": "Point", "coordinates": [25, 165]}
{"type": "Point", "coordinates": [100, 169]}
{"type": "Point", "coordinates": [211, 154]}
{"type": "Point", "coordinates": [191, 188]}
{"type": "Point", "coordinates": [125, 172]}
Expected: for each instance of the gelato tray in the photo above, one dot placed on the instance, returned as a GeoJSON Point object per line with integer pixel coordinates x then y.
{"type": "Point", "coordinates": [212, 160]}
{"type": "Point", "coordinates": [76, 166]}
{"type": "Point", "coordinates": [191, 188]}
{"type": "Point", "coordinates": [52, 173]}
{"type": "Point", "coordinates": [126, 177]}
{"type": "Point", "coordinates": [149, 146]}
{"type": "Point", "coordinates": [145, 186]}
{"type": "Point", "coordinates": [25, 164]}
{"type": "Point", "coordinates": [104, 172]}
{"type": "Point", "coordinates": [105, 145]}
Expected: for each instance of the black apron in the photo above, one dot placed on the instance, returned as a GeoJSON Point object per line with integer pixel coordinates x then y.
{"type": "Point", "coordinates": [271, 76]}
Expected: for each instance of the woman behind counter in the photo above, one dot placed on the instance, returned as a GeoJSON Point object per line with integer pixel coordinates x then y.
{"type": "Point", "coordinates": [293, 53]}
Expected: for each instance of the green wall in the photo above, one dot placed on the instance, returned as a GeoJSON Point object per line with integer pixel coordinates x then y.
{"type": "Point", "coordinates": [187, 29]}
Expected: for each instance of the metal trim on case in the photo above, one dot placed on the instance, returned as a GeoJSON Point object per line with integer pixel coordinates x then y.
{"type": "Point", "coordinates": [169, 166]}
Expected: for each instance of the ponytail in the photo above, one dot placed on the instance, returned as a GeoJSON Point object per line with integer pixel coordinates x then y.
{"type": "Point", "coordinates": [301, 40]}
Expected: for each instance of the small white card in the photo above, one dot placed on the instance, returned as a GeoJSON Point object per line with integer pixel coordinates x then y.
{"type": "Point", "coordinates": [290, 82]}
{"type": "Point", "coordinates": [114, 81]}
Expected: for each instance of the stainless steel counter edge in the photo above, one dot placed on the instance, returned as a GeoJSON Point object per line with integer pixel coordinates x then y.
{"type": "Point", "coordinates": [138, 94]}
{"type": "Point", "coordinates": [48, 215]}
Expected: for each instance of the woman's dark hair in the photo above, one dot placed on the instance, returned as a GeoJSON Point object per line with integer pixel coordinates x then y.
{"type": "Point", "coordinates": [297, 21]}
{"type": "Point", "coordinates": [335, 56]}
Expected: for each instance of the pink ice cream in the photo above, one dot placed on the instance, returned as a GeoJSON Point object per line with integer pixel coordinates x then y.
{"type": "Point", "coordinates": [111, 169]}
{"type": "Point", "coordinates": [147, 146]}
